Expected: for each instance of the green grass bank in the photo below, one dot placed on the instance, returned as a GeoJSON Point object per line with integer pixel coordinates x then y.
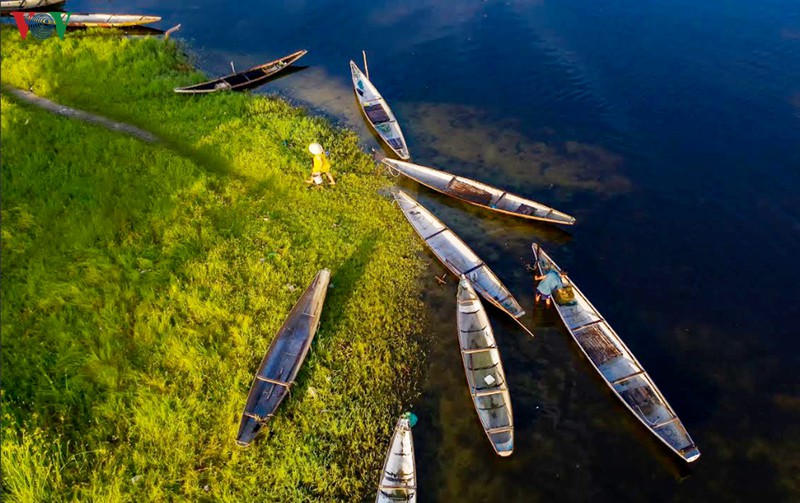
{"type": "Point", "coordinates": [142, 284]}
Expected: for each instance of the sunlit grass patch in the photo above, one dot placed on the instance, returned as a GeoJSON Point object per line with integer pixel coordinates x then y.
{"type": "Point", "coordinates": [142, 284]}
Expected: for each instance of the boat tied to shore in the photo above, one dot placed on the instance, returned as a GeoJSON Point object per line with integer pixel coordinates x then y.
{"type": "Point", "coordinates": [247, 79]}
{"type": "Point", "coordinates": [484, 370]}
{"type": "Point", "coordinates": [479, 194]}
{"type": "Point", "coordinates": [399, 475]}
{"type": "Point", "coordinates": [457, 256]}
{"type": "Point", "coordinates": [377, 111]}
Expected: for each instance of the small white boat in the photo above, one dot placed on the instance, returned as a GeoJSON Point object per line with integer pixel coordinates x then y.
{"type": "Point", "coordinates": [399, 477]}
{"type": "Point", "coordinates": [484, 370]}
{"type": "Point", "coordinates": [620, 370]}
{"type": "Point", "coordinates": [457, 256]}
{"type": "Point", "coordinates": [479, 194]}
{"type": "Point", "coordinates": [378, 113]}
{"type": "Point", "coordinates": [109, 20]}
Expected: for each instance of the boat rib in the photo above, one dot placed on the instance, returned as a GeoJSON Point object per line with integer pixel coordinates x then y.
{"type": "Point", "coordinates": [457, 256]}
{"type": "Point", "coordinates": [378, 113]}
{"type": "Point", "coordinates": [283, 359]}
{"type": "Point", "coordinates": [399, 476]}
{"type": "Point", "coordinates": [484, 370]}
{"type": "Point", "coordinates": [479, 194]}
{"type": "Point", "coordinates": [246, 79]}
{"type": "Point", "coordinates": [620, 369]}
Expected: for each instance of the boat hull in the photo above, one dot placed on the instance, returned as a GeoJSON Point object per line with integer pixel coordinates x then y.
{"type": "Point", "coordinates": [483, 368]}
{"type": "Point", "coordinates": [399, 476]}
{"type": "Point", "coordinates": [620, 369]}
{"type": "Point", "coordinates": [479, 194]}
{"type": "Point", "coordinates": [283, 359]}
{"type": "Point", "coordinates": [457, 256]}
{"type": "Point", "coordinates": [21, 5]}
{"type": "Point", "coordinates": [378, 113]}
{"type": "Point", "coordinates": [248, 79]}
{"type": "Point", "coordinates": [109, 20]}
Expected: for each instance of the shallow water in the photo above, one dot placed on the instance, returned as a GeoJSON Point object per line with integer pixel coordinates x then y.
{"type": "Point", "coordinates": [671, 130]}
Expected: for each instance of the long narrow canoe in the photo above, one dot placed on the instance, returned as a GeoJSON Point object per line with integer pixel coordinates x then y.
{"type": "Point", "coordinates": [399, 476]}
{"type": "Point", "coordinates": [479, 194]}
{"type": "Point", "coordinates": [378, 113]}
{"type": "Point", "coordinates": [283, 360]}
{"type": "Point", "coordinates": [15, 5]}
{"type": "Point", "coordinates": [457, 256]}
{"type": "Point", "coordinates": [620, 370]}
{"type": "Point", "coordinates": [247, 79]}
{"type": "Point", "coordinates": [109, 20]}
{"type": "Point", "coordinates": [484, 370]}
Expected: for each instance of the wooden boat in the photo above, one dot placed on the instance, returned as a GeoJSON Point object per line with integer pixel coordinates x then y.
{"type": "Point", "coordinates": [17, 5]}
{"type": "Point", "coordinates": [399, 477]}
{"type": "Point", "coordinates": [109, 20]}
{"type": "Point", "coordinates": [457, 256]}
{"type": "Point", "coordinates": [620, 370]}
{"type": "Point", "coordinates": [479, 194]}
{"type": "Point", "coordinates": [484, 370]}
{"type": "Point", "coordinates": [283, 360]}
{"type": "Point", "coordinates": [247, 79]}
{"type": "Point", "coordinates": [378, 113]}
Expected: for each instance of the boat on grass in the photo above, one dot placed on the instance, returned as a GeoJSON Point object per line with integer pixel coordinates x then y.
{"type": "Point", "coordinates": [283, 360]}
{"type": "Point", "coordinates": [484, 370]}
{"type": "Point", "coordinates": [620, 370]}
{"type": "Point", "coordinates": [479, 194]}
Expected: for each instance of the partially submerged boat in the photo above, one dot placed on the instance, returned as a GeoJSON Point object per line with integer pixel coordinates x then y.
{"type": "Point", "coordinates": [17, 5]}
{"type": "Point", "coordinates": [108, 20]}
{"type": "Point", "coordinates": [283, 360]}
{"type": "Point", "coordinates": [457, 256]}
{"type": "Point", "coordinates": [484, 370]}
{"type": "Point", "coordinates": [479, 194]}
{"type": "Point", "coordinates": [378, 113]}
{"type": "Point", "coordinates": [252, 77]}
{"type": "Point", "coordinates": [399, 476]}
{"type": "Point", "coordinates": [620, 370]}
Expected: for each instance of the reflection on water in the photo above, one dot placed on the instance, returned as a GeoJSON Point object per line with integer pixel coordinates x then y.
{"type": "Point", "coordinates": [670, 130]}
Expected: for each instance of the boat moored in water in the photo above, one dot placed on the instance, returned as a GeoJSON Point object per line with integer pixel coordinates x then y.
{"type": "Point", "coordinates": [479, 194]}
{"type": "Point", "coordinates": [620, 370]}
{"type": "Point", "coordinates": [484, 370]}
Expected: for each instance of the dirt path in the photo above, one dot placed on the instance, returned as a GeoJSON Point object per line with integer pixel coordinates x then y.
{"type": "Point", "coordinates": [73, 113]}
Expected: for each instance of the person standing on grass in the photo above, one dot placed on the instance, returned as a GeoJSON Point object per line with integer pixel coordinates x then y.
{"type": "Point", "coordinates": [321, 165]}
{"type": "Point", "coordinates": [548, 283]}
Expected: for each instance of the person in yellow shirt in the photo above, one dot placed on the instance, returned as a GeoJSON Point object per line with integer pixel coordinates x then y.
{"type": "Point", "coordinates": [321, 165]}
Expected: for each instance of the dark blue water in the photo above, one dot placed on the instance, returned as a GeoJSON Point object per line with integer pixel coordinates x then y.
{"type": "Point", "coordinates": [671, 130]}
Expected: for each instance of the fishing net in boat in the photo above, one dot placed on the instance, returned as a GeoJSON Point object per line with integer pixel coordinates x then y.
{"type": "Point", "coordinates": [469, 192]}
{"type": "Point", "coordinates": [376, 114]}
{"type": "Point", "coordinates": [599, 348]}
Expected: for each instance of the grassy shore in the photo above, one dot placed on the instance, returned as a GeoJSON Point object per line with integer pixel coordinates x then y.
{"type": "Point", "coordinates": [142, 284]}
